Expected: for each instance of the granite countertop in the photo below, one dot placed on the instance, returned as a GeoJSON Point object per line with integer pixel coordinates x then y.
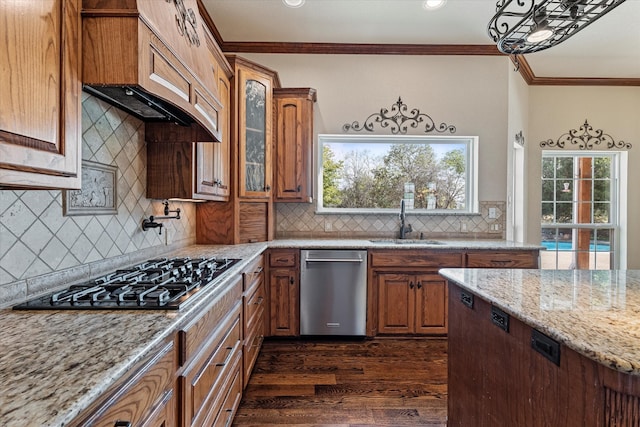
{"type": "Point", "coordinates": [54, 364]}
{"type": "Point", "coordinates": [384, 243]}
{"type": "Point", "coordinates": [594, 312]}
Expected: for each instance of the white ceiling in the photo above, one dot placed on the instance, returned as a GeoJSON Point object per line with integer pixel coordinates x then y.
{"type": "Point", "coordinates": [608, 48]}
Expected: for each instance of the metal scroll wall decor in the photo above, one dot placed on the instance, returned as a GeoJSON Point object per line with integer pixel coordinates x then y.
{"type": "Point", "coordinates": [398, 121]}
{"type": "Point", "coordinates": [186, 22]}
{"type": "Point", "coordinates": [520, 138]}
{"type": "Point", "coordinates": [587, 140]}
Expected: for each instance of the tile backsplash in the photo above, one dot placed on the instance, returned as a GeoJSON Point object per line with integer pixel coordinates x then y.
{"type": "Point", "coordinates": [299, 220]}
{"type": "Point", "coordinates": [37, 240]}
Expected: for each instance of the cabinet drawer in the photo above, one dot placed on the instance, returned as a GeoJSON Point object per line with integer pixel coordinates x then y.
{"type": "Point", "coordinates": [283, 258]}
{"type": "Point", "coordinates": [197, 333]}
{"type": "Point", "coordinates": [142, 397]}
{"type": "Point", "coordinates": [253, 272]}
{"type": "Point", "coordinates": [415, 258]}
{"type": "Point", "coordinates": [231, 402]}
{"type": "Point", "coordinates": [513, 259]}
{"type": "Point", "coordinates": [203, 381]}
{"type": "Point", "coordinates": [254, 305]}
{"type": "Point", "coordinates": [252, 344]}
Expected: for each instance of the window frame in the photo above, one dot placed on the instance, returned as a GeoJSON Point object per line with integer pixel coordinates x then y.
{"type": "Point", "coordinates": [471, 171]}
{"type": "Point", "coordinates": [615, 207]}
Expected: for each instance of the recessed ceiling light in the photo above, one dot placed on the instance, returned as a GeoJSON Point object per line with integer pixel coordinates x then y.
{"type": "Point", "coordinates": [433, 4]}
{"type": "Point", "coordinates": [293, 3]}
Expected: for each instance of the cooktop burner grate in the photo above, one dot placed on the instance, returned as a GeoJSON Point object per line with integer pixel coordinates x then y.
{"type": "Point", "coordinates": [161, 284]}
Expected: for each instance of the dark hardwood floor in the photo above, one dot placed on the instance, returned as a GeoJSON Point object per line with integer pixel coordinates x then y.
{"type": "Point", "coordinates": [381, 382]}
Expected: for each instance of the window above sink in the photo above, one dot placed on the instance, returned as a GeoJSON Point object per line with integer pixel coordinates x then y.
{"type": "Point", "coordinates": [373, 173]}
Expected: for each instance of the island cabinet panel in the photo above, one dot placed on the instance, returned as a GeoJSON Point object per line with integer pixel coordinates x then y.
{"type": "Point", "coordinates": [497, 378]}
{"type": "Point", "coordinates": [40, 106]}
{"type": "Point", "coordinates": [147, 398]}
{"type": "Point", "coordinates": [406, 295]}
{"type": "Point", "coordinates": [293, 144]}
{"type": "Point", "coordinates": [284, 292]}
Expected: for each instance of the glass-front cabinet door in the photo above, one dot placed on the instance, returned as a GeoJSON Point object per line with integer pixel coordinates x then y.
{"type": "Point", "coordinates": [255, 134]}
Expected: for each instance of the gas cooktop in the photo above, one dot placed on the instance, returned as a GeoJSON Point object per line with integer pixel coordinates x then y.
{"type": "Point", "coordinates": [157, 284]}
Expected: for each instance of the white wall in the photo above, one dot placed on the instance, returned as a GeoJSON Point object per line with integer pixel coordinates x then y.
{"type": "Point", "coordinates": [467, 92]}
{"type": "Point", "coordinates": [555, 110]}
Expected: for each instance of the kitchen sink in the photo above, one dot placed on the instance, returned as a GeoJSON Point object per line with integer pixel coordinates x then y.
{"type": "Point", "coordinates": [407, 241]}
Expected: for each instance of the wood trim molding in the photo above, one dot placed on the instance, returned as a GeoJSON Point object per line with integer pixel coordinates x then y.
{"type": "Point", "coordinates": [360, 48]}
{"type": "Point", "coordinates": [406, 49]}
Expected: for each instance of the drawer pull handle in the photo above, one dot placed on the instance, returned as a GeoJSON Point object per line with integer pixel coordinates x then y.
{"type": "Point", "coordinates": [411, 285]}
{"type": "Point", "coordinates": [500, 318]}
{"type": "Point", "coordinates": [259, 270]}
{"type": "Point", "coordinates": [466, 299]}
{"type": "Point", "coordinates": [229, 418]}
{"type": "Point", "coordinates": [122, 424]}
{"type": "Point", "coordinates": [259, 301]}
{"type": "Point", "coordinates": [291, 281]}
{"type": "Point", "coordinates": [418, 285]}
{"type": "Point", "coordinates": [226, 360]}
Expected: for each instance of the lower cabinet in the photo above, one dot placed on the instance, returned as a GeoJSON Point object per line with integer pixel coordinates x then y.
{"type": "Point", "coordinates": [253, 305]}
{"type": "Point", "coordinates": [147, 398]}
{"type": "Point", "coordinates": [407, 296]}
{"type": "Point", "coordinates": [211, 361]}
{"type": "Point", "coordinates": [412, 303]}
{"type": "Point", "coordinates": [284, 292]}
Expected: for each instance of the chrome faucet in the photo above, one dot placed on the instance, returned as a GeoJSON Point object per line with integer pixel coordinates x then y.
{"type": "Point", "coordinates": [404, 228]}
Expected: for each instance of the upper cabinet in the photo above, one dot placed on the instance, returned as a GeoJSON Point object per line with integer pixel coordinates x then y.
{"type": "Point", "coordinates": [255, 112]}
{"type": "Point", "coordinates": [293, 144]}
{"type": "Point", "coordinates": [178, 164]}
{"type": "Point", "coordinates": [40, 105]}
{"type": "Point", "coordinates": [152, 59]}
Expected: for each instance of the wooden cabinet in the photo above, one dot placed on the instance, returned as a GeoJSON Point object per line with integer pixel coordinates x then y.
{"type": "Point", "coordinates": [293, 144]}
{"type": "Point", "coordinates": [40, 130]}
{"type": "Point", "coordinates": [506, 259]}
{"type": "Point", "coordinates": [211, 360]}
{"type": "Point", "coordinates": [178, 166]}
{"type": "Point", "coordinates": [412, 303]}
{"type": "Point", "coordinates": [255, 97]}
{"type": "Point", "coordinates": [147, 398]}
{"type": "Point", "coordinates": [254, 302]}
{"type": "Point", "coordinates": [248, 216]}
{"type": "Point", "coordinates": [406, 294]}
{"type": "Point", "coordinates": [284, 292]}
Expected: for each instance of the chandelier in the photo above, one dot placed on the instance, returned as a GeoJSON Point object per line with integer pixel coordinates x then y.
{"type": "Point", "coordinates": [526, 26]}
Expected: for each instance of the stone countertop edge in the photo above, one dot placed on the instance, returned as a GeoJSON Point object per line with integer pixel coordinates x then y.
{"type": "Point", "coordinates": [593, 312]}
{"type": "Point", "coordinates": [40, 345]}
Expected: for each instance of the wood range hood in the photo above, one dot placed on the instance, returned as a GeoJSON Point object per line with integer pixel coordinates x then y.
{"type": "Point", "coordinates": [156, 60]}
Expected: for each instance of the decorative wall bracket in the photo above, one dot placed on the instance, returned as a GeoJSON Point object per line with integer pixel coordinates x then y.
{"type": "Point", "coordinates": [398, 122]}
{"type": "Point", "coordinates": [520, 138]}
{"type": "Point", "coordinates": [586, 140]}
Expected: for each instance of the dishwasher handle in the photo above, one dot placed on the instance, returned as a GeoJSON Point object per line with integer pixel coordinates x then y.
{"type": "Point", "coordinates": [333, 260]}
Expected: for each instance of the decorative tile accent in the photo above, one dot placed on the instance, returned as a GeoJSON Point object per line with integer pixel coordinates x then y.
{"type": "Point", "coordinates": [40, 245]}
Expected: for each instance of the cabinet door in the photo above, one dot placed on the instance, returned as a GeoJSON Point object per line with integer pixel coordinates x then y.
{"type": "Point", "coordinates": [40, 134]}
{"type": "Point", "coordinates": [255, 116]}
{"type": "Point", "coordinates": [396, 303]}
{"type": "Point", "coordinates": [431, 304]}
{"type": "Point", "coordinates": [212, 172]}
{"type": "Point", "coordinates": [284, 291]}
{"type": "Point", "coordinates": [293, 138]}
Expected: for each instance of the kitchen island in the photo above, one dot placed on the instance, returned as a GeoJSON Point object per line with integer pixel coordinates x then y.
{"type": "Point", "coordinates": [544, 347]}
{"type": "Point", "coordinates": [54, 365]}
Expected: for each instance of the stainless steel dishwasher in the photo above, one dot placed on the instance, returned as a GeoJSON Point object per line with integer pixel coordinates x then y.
{"type": "Point", "coordinates": [333, 292]}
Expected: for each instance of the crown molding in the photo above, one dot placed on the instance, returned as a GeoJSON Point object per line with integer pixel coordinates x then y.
{"type": "Point", "coordinates": [407, 49]}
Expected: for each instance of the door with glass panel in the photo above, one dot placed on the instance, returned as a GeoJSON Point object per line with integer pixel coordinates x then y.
{"type": "Point", "coordinates": [579, 210]}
